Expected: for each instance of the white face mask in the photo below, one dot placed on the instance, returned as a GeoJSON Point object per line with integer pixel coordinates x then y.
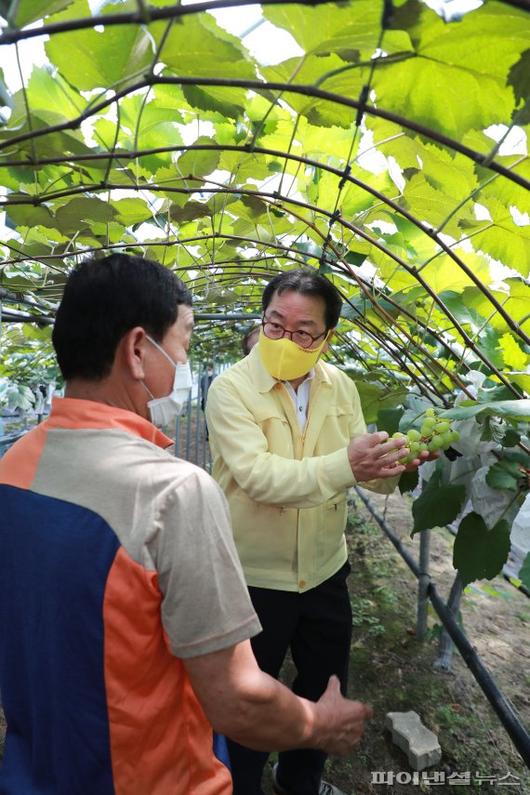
{"type": "Point", "coordinates": [165, 410]}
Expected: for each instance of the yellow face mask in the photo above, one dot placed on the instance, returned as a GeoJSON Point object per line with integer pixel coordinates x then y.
{"type": "Point", "coordinates": [284, 359]}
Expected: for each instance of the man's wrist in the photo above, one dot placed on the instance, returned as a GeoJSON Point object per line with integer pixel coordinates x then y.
{"type": "Point", "coordinates": [311, 730]}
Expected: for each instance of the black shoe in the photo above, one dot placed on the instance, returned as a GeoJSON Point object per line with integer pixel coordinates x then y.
{"type": "Point", "coordinates": [325, 788]}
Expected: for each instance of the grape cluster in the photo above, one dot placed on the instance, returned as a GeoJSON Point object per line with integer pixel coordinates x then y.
{"type": "Point", "coordinates": [435, 434]}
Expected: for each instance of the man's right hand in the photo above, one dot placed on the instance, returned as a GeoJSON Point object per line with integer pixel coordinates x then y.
{"type": "Point", "coordinates": [340, 722]}
{"type": "Point", "coordinates": [374, 455]}
{"type": "Point", "coordinates": [257, 711]}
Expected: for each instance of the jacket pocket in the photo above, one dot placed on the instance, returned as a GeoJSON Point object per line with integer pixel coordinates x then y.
{"type": "Point", "coordinates": [265, 535]}
{"type": "Point", "coordinates": [330, 530]}
{"type": "Point", "coordinates": [277, 431]}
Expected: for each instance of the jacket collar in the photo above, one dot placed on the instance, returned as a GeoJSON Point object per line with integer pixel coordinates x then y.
{"type": "Point", "coordinates": [264, 381]}
{"type": "Point", "coordinates": [75, 414]}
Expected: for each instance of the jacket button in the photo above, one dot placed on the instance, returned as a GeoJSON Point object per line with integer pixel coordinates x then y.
{"type": "Point", "coordinates": [302, 584]}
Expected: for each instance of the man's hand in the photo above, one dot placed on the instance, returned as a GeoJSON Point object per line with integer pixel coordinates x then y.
{"type": "Point", "coordinates": [340, 722]}
{"type": "Point", "coordinates": [255, 710]}
{"type": "Point", "coordinates": [374, 455]}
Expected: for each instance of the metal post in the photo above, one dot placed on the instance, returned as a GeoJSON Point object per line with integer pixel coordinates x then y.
{"type": "Point", "coordinates": [502, 706]}
{"type": "Point", "coordinates": [198, 414]}
{"type": "Point", "coordinates": [188, 429]}
{"type": "Point", "coordinates": [177, 437]}
{"type": "Point", "coordinates": [424, 579]}
{"type": "Point", "coordinates": [446, 646]}
{"type": "Point", "coordinates": [204, 442]}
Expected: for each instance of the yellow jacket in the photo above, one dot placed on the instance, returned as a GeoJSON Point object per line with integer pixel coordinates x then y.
{"type": "Point", "coordinates": [286, 490]}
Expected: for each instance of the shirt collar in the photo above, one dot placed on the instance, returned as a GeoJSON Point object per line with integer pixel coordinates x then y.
{"type": "Point", "coordinates": [76, 414]}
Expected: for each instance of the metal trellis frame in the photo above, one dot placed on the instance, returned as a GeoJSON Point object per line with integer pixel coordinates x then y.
{"type": "Point", "coordinates": [503, 707]}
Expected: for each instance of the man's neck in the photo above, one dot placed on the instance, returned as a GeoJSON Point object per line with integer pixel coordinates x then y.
{"type": "Point", "coordinates": [98, 392]}
{"type": "Point", "coordinates": [295, 382]}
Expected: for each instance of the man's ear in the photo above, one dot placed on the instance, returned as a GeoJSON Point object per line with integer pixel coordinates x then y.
{"type": "Point", "coordinates": [132, 349]}
{"type": "Point", "coordinates": [328, 339]}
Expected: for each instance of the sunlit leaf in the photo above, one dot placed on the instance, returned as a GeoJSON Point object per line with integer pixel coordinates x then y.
{"type": "Point", "coordinates": [131, 211]}
{"type": "Point", "coordinates": [71, 216]}
{"type": "Point", "coordinates": [27, 11]}
{"type": "Point", "coordinates": [198, 162]}
{"type": "Point", "coordinates": [102, 58]}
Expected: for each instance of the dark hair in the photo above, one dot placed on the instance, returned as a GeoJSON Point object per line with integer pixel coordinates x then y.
{"type": "Point", "coordinates": [306, 281]}
{"type": "Point", "coordinates": [246, 338]}
{"type": "Point", "coordinates": [103, 299]}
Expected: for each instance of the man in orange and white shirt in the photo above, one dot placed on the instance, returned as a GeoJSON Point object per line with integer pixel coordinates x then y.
{"type": "Point", "coordinates": [125, 614]}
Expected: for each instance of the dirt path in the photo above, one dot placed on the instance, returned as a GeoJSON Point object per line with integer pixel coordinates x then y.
{"type": "Point", "coordinates": [393, 671]}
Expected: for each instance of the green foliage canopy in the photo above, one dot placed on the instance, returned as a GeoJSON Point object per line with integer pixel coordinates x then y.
{"type": "Point", "coordinates": [387, 148]}
{"type": "Point", "coordinates": [368, 155]}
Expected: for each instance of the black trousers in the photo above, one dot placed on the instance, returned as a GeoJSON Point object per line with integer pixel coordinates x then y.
{"type": "Point", "coordinates": [316, 626]}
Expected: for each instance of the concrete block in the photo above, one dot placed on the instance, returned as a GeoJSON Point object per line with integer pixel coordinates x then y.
{"type": "Point", "coordinates": [416, 740]}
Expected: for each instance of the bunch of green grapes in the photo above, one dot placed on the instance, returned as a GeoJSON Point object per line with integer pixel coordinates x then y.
{"type": "Point", "coordinates": [435, 434]}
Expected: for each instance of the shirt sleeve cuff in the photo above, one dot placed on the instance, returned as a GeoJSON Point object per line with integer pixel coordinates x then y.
{"type": "Point", "coordinates": [338, 470]}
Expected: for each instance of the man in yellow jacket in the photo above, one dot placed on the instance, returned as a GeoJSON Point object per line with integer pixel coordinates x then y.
{"type": "Point", "coordinates": [288, 440]}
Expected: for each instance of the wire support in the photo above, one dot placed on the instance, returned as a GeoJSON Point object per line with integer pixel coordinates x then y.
{"type": "Point", "coordinates": [143, 15]}
{"type": "Point", "coordinates": [258, 85]}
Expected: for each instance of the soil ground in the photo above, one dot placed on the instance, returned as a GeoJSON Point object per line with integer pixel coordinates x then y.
{"type": "Point", "coordinates": [392, 670]}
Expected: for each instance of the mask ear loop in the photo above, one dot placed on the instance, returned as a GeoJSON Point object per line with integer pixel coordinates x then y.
{"type": "Point", "coordinates": [147, 390]}
{"type": "Point", "coordinates": [168, 357]}
{"type": "Point", "coordinates": [160, 348]}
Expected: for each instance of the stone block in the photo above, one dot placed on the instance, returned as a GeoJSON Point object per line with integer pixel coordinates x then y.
{"type": "Point", "coordinates": [416, 740]}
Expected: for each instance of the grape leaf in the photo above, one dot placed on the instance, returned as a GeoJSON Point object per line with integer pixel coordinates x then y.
{"type": "Point", "coordinates": [480, 553]}
{"type": "Point", "coordinates": [437, 505]}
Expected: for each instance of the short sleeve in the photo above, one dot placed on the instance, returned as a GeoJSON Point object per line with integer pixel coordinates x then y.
{"type": "Point", "coordinates": [205, 601]}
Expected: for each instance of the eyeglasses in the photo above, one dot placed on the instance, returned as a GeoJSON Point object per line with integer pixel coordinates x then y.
{"type": "Point", "coordinates": [275, 331]}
